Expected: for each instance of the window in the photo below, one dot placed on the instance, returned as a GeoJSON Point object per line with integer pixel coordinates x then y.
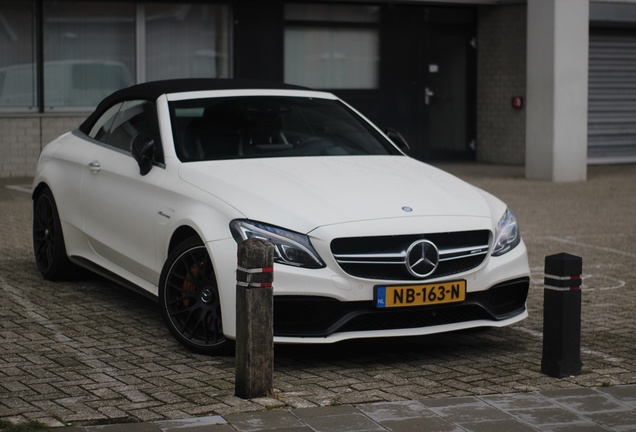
{"type": "Point", "coordinates": [17, 55]}
{"type": "Point", "coordinates": [187, 40]}
{"type": "Point", "coordinates": [134, 118]}
{"type": "Point", "coordinates": [88, 51]}
{"type": "Point", "coordinates": [123, 122]}
{"type": "Point", "coordinates": [92, 48]}
{"type": "Point", "coordinates": [332, 46]}
{"type": "Point", "coordinates": [263, 126]}
{"type": "Point", "coordinates": [102, 126]}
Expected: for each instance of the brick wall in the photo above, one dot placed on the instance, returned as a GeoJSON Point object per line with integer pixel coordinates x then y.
{"type": "Point", "coordinates": [22, 138]}
{"type": "Point", "coordinates": [501, 74]}
{"type": "Point", "coordinates": [19, 146]}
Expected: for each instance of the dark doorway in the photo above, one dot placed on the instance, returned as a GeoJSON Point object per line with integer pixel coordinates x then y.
{"type": "Point", "coordinates": [429, 80]}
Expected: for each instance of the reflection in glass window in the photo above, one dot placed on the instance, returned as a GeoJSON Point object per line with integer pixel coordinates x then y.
{"type": "Point", "coordinates": [135, 118]}
{"type": "Point", "coordinates": [187, 41]}
{"type": "Point", "coordinates": [332, 58]}
{"type": "Point", "coordinates": [89, 51]}
{"type": "Point", "coordinates": [332, 46]}
{"type": "Point", "coordinates": [263, 127]}
{"type": "Point", "coordinates": [102, 127]}
{"type": "Point", "coordinates": [17, 55]}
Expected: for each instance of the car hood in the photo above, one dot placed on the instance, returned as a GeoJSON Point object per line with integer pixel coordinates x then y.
{"type": "Point", "coordinates": [308, 192]}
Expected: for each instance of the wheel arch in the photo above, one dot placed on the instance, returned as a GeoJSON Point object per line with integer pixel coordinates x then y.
{"type": "Point", "coordinates": [181, 234]}
{"type": "Point", "coordinates": [38, 189]}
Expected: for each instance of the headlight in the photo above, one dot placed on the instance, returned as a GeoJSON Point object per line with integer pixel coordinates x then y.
{"type": "Point", "coordinates": [507, 234]}
{"type": "Point", "coordinates": [290, 247]}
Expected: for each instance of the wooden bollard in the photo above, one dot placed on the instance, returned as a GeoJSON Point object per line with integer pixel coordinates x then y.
{"type": "Point", "coordinates": [254, 319]}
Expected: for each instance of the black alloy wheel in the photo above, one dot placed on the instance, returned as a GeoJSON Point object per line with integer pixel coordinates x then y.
{"type": "Point", "coordinates": [48, 241]}
{"type": "Point", "coordinates": [189, 299]}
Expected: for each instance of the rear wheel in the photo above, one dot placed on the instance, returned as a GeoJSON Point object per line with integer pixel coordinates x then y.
{"type": "Point", "coordinates": [189, 299]}
{"type": "Point", "coordinates": [48, 241]}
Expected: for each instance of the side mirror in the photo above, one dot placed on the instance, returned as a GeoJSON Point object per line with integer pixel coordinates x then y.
{"type": "Point", "coordinates": [143, 149]}
{"type": "Point", "coordinates": [398, 139]}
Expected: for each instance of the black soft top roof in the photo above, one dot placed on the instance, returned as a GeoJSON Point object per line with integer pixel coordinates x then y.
{"type": "Point", "coordinates": [150, 91]}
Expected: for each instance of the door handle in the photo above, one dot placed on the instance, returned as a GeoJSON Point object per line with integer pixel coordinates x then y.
{"type": "Point", "coordinates": [428, 94]}
{"type": "Point", "coordinates": [95, 166]}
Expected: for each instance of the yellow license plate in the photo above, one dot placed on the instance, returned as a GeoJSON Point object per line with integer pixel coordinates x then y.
{"type": "Point", "coordinates": [420, 295]}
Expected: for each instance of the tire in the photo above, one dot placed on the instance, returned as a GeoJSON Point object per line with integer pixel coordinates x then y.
{"type": "Point", "coordinates": [48, 240]}
{"type": "Point", "coordinates": [189, 299]}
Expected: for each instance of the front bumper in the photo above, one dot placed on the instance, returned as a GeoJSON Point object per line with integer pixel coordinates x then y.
{"type": "Point", "coordinates": [325, 305]}
{"type": "Point", "coordinates": [322, 317]}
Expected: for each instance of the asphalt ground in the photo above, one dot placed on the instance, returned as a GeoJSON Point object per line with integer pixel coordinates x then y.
{"type": "Point", "coordinates": [86, 354]}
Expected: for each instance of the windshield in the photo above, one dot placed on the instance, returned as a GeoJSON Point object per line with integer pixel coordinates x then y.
{"type": "Point", "coordinates": [263, 126]}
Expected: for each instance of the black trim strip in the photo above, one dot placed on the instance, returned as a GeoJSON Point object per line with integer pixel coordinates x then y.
{"type": "Point", "coordinates": [101, 271]}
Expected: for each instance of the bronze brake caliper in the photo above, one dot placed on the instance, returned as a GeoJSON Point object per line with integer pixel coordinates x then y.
{"type": "Point", "coordinates": [188, 281]}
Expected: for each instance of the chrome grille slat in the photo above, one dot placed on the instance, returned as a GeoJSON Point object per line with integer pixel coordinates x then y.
{"type": "Point", "coordinates": [356, 257]}
{"type": "Point", "coordinates": [462, 252]}
{"type": "Point", "coordinates": [368, 262]}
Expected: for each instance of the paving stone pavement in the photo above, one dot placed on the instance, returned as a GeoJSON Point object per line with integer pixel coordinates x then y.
{"type": "Point", "coordinates": [86, 355]}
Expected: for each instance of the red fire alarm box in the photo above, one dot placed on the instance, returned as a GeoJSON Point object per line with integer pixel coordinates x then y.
{"type": "Point", "coordinates": [517, 102]}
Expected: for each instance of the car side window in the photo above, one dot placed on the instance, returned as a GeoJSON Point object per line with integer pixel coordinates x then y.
{"type": "Point", "coordinates": [134, 118]}
{"type": "Point", "coordinates": [102, 126]}
{"type": "Point", "coordinates": [122, 123]}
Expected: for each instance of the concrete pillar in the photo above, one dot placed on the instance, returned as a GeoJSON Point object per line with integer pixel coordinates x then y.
{"type": "Point", "coordinates": [557, 74]}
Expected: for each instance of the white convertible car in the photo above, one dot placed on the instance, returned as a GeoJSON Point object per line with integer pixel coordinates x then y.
{"type": "Point", "coordinates": [160, 183]}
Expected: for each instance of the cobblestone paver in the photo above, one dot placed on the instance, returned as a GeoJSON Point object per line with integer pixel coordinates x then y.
{"type": "Point", "coordinates": [88, 352]}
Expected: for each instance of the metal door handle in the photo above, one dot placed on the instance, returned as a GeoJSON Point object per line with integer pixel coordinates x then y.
{"type": "Point", "coordinates": [428, 94]}
{"type": "Point", "coordinates": [95, 166]}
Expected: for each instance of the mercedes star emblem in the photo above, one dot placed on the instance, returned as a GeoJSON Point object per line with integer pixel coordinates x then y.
{"type": "Point", "coordinates": [422, 258]}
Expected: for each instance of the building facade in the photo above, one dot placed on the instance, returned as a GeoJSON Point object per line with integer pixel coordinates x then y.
{"type": "Point", "coordinates": [460, 79]}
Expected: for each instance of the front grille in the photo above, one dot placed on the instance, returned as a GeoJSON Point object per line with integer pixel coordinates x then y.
{"type": "Point", "coordinates": [307, 316]}
{"type": "Point", "coordinates": [384, 257]}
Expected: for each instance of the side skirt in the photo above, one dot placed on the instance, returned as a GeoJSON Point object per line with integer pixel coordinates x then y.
{"type": "Point", "coordinates": [101, 271]}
